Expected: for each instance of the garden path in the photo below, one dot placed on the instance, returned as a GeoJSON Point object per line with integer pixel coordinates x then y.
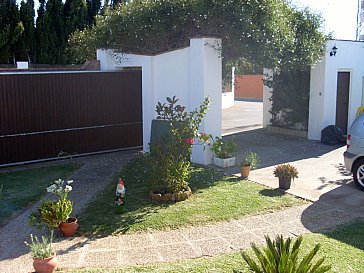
{"type": "Point", "coordinates": [192, 242]}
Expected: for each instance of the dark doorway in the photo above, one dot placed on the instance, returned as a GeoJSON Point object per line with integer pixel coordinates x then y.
{"type": "Point", "coordinates": [342, 100]}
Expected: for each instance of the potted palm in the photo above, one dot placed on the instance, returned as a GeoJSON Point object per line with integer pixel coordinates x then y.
{"type": "Point", "coordinates": [224, 151]}
{"type": "Point", "coordinates": [285, 174]}
{"type": "Point", "coordinates": [44, 258]}
{"type": "Point", "coordinates": [250, 162]}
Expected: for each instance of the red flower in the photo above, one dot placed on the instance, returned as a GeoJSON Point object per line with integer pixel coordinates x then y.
{"type": "Point", "coordinates": [189, 140]}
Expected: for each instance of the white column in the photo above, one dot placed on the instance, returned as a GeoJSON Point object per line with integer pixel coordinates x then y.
{"type": "Point", "coordinates": [206, 80]}
{"type": "Point", "coordinates": [267, 94]}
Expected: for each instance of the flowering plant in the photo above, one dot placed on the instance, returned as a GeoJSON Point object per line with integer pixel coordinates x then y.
{"type": "Point", "coordinates": [53, 213]}
{"type": "Point", "coordinates": [60, 188]}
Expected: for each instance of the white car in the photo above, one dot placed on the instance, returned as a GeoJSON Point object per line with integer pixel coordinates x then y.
{"type": "Point", "coordinates": [354, 155]}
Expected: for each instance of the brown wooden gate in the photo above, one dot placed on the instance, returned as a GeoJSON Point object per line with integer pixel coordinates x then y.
{"type": "Point", "coordinates": [44, 115]}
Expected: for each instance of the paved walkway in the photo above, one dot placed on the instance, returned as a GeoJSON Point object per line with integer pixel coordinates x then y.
{"type": "Point", "coordinates": [193, 242]}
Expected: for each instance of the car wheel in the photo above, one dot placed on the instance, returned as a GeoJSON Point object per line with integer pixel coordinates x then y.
{"type": "Point", "coordinates": [358, 174]}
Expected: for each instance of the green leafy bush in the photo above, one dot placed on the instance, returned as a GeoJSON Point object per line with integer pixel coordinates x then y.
{"type": "Point", "coordinates": [223, 148]}
{"type": "Point", "coordinates": [282, 256]}
{"type": "Point", "coordinates": [169, 159]}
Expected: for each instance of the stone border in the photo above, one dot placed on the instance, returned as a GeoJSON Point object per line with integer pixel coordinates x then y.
{"type": "Point", "coordinates": [286, 132]}
{"type": "Point", "coordinates": [169, 198]}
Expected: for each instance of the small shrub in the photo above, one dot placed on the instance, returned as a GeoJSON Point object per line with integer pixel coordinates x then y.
{"type": "Point", "coordinates": [223, 148]}
{"type": "Point", "coordinates": [169, 160]}
{"type": "Point", "coordinates": [41, 249]}
{"type": "Point", "coordinates": [251, 159]}
{"type": "Point", "coordinates": [285, 170]}
{"type": "Point", "coordinates": [280, 257]}
{"type": "Point", "coordinates": [53, 213]}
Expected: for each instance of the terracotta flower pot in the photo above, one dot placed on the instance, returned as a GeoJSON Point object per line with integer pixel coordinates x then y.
{"type": "Point", "coordinates": [245, 171]}
{"type": "Point", "coordinates": [69, 228]}
{"type": "Point", "coordinates": [47, 265]}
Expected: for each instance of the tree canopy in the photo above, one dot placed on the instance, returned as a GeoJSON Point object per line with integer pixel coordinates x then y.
{"type": "Point", "coordinates": [267, 33]}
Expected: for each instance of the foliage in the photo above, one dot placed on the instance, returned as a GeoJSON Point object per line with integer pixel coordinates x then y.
{"type": "Point", "coordinates": [223, 148]}
{"type": "Point", "coordinates": [1, 191]}
{"type": "Point", "coordinates": [168, 162]}
{"type": "Point", "coordinates": [167, 172]}
{"type": "Point", "coordinates": [41, 249]}
{"type": "Point", "coordinates": [75, 15]}
{"type": "Point", "coordinates": [285, 170]}
{"type": "Point", "coordinates": [251, 159]}
{"type": "Point", "coordinates": [266, 33]}
{"type": "Point", "coordinates": [11, 29]}
{"type": "Point", "coordinates": [53, 213]}
{"type": "Point", "coordinates": [280, 257]}
{"type": "Point", "coordinates": [26, 44]}
{"type": "Point", "coordinates": [290, 98]}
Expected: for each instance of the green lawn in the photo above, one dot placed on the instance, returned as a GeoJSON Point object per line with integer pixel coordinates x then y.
{"type": "Point", "coordinates": [342, 248]}
{"type": "Point", "coordinates": [22, 188]}
{"type": "Point", "coordinates": [216, 198]}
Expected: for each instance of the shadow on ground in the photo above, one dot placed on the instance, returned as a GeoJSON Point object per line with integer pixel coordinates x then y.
{"type": "Point", "coordinates": [338, 214]}
{"type": "Point", "coordinates": [276, 149]}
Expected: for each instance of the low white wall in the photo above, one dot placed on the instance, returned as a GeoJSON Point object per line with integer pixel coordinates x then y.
{"type": "Point", "coordinates": [267, 94]}
{"type": "Point", "coordinates": [190, 74]}
{"type": "Point", "coordinates": [323, 85]}
{"type": "Point", "coordinates": [228, 98]}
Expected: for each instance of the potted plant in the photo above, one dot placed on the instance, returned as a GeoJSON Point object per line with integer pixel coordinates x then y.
{"type": "Point", "coordinates": [224, 151]}
{"type": "Point", "coordinates": [44, 258]}
{"type": "Point", "coordinates": [285, 174]}
{"type": "Point", "coordinates": [56, 214]}
{"type": "Point", "coordinates": [250, 162]}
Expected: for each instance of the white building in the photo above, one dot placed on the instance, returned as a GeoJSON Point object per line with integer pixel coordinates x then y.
{"type": "Point", "coordinates": [336, 87]}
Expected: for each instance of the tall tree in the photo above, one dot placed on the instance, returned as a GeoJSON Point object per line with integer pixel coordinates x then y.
{"type": "Point", "coordinates": [26, 44]}
{"type": "Point", "coordinates": [41, 43]}
{"type": "Point", "coordinates": [54, 32]}
{"type": "Point", "coordinates": [10, 30]}
{"type": "Point", "coordinates": [93, 9]}
{"type": "Point", "coordinates": [75, 15]}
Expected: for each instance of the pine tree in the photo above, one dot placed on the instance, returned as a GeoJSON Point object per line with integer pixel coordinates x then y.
{"type": "Point", "coordinates": [75, 15]}
{"type": "Point", "coordinates": [26, 43]}
{"type": "Point", "coordinates": [41, 43]}
{"type": "Point", "coordinates": [93, 9]}
{"type": "Point", "coordinates": [10, 30]}
{"type": "Point", "coordinates": [54, 33]}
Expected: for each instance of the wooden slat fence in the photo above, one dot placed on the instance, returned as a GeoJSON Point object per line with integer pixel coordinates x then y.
{"type": "Point", "coordinates": [44, 114]}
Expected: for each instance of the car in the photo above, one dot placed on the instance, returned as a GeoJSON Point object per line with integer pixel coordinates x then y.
{"type": "Point", "coordinates": [354, 154]}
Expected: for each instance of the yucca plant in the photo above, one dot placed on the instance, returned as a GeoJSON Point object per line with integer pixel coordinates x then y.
{"type": "Point", "coordinates": [280, 257]}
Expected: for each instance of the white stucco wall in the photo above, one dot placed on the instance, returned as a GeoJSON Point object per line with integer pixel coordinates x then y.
{"type": "Point", "coordinates": [190, 74]}
{"type": "Point", "coordinates": [228, 98]}
{"type": "Point", "coordinates": [323, 85]}
{"type": "Point", "coordinates": [267, 94]}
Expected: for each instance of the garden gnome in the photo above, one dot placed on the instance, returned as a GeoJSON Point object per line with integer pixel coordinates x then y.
{"type": "Point", "coordinates": [120, 195]}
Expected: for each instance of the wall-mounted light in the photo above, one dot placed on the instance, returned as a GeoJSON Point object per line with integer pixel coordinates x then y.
{"type": "Point", "coordinates": [333, 51]}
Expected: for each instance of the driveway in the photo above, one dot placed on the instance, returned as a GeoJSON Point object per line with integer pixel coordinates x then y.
{"type": "Point", "coordinates": [322, 174]}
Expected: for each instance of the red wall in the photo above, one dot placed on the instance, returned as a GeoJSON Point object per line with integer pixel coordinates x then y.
{"type": "Point", "coordinates": [249, 86]}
